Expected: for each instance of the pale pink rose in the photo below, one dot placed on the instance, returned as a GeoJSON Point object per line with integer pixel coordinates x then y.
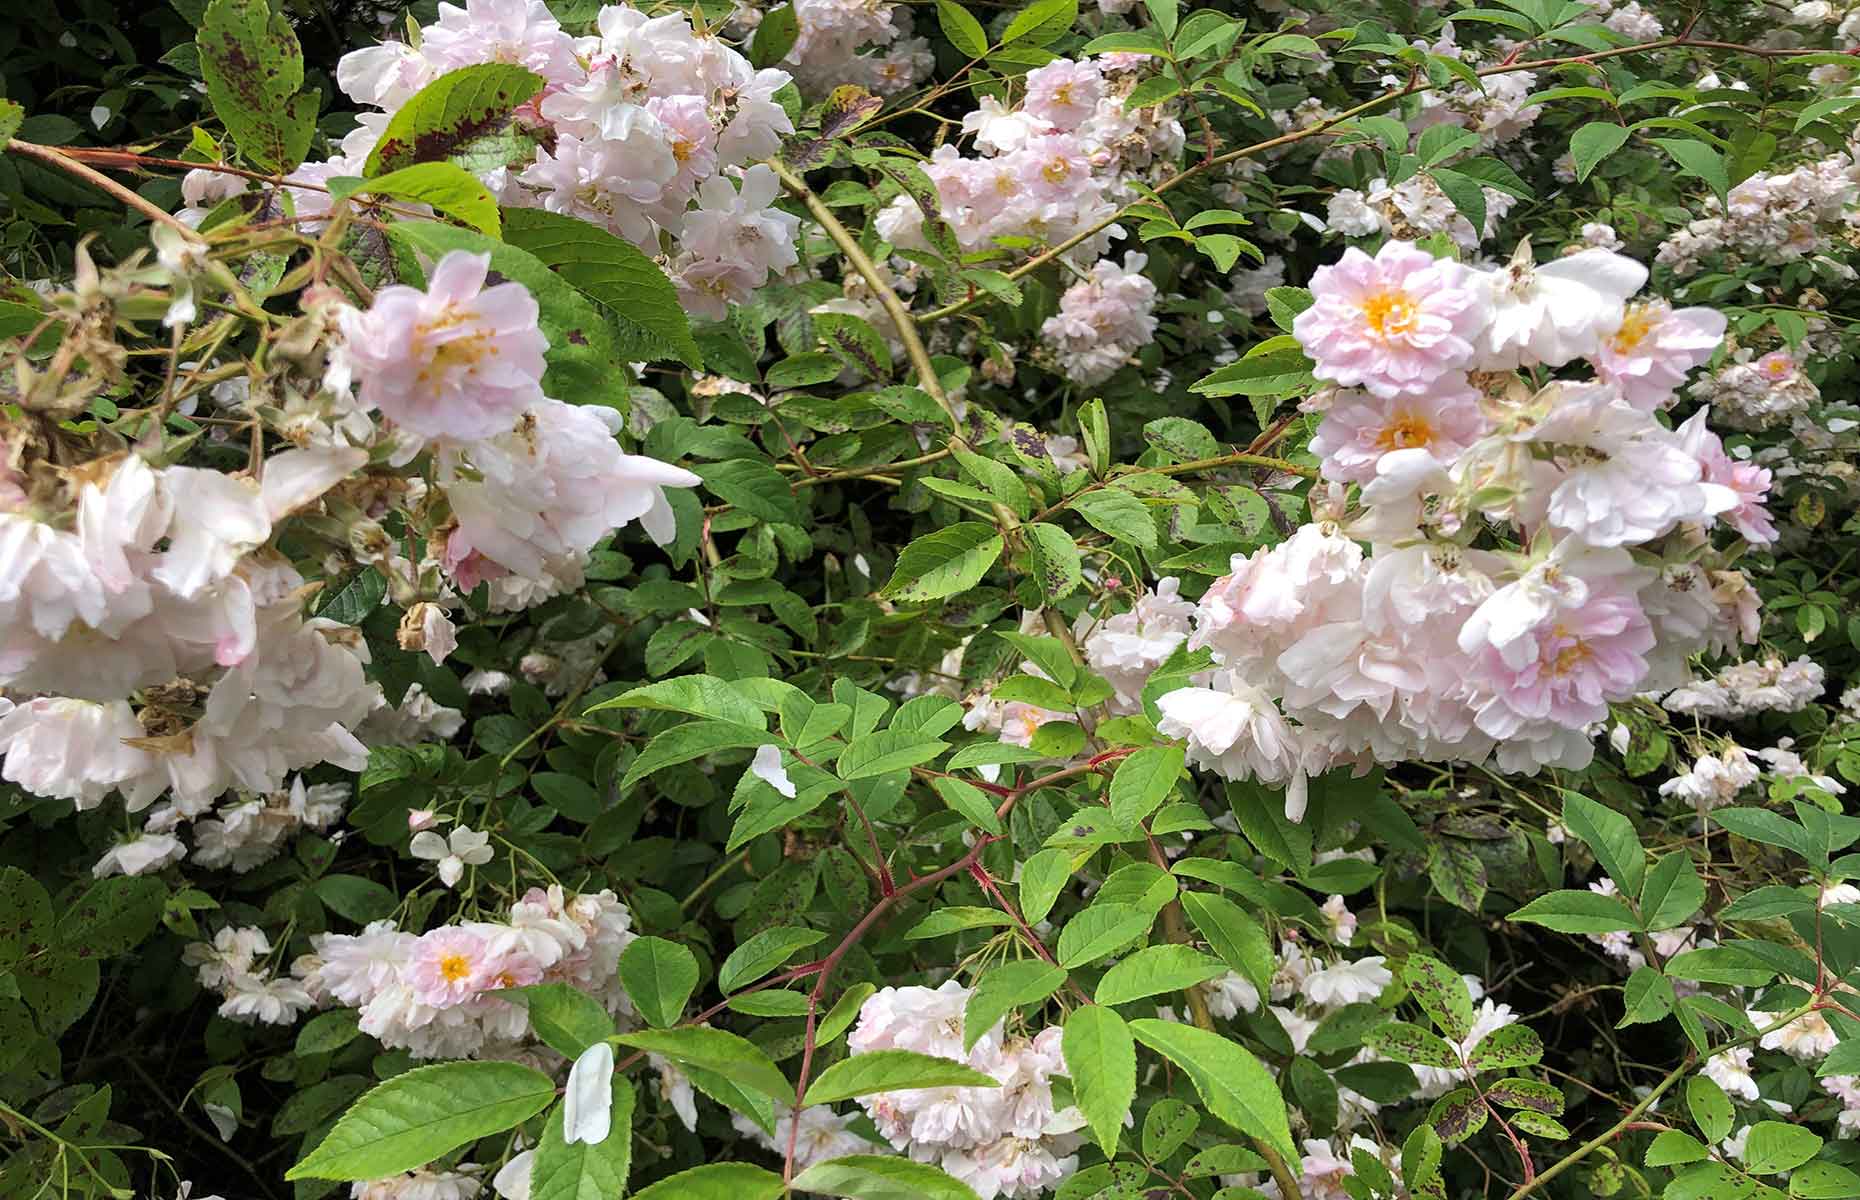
{"type": "Point", "coordinates": [1748, 481]}
{"type": "Point", "coordinates": [1394, 323]}
{"type": "Point", "coordinates": [450, 965]}
{"type": "Point", "coordinates": [1359, 430]}
{"type": "Point", "coordinates": [458, 361]}
{"type": "Point", "coordinates": [1648, 356]}
{"type": "Point", "coordinates": [1557, 647]}
{"type": "Point", "coordinates": [1064, 93]}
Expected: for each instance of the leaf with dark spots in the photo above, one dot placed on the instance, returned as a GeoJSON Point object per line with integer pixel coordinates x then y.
{"type": "Point", "coordinates": [112, 917]}
{"type": "Point", "coordinates": [1528, 1094]}
{"type": "Point", "coordinates": [1458, 1115]}
{"type": "Point", "coordinates": [254, 71]}
{"type": "Point", "coordinates": [846, 108]}
{"type": "Point", "coordinates": [856, 342]}
{"type": "Point", "coordinates": [451, 114]}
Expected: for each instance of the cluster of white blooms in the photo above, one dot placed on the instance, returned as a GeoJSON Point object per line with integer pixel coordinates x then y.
{"type": "Point", "coordinates": [232, 965]}
{"type": "Point", "coordinates": [1756, 392]}
{"type": "Point", "coordinates": [528, 483]}
{"type": "Point", "coordinates": [867, 43]}
{"type": "Point", "coordinates": [1053, 167]}
{"type": "Point", "coordinates": [424, 1184]}
{"type": "Point", "coordinates": [432, 994]}
{"type": "Point", "coordinates": [1008, 1141]}
{"type": "Point", "coordinates": [1411, 209]}
{"type": "Point", "coordinates": [819, 1134]}
{"type": "Point", "coordinates": [147, 600]}
{"type": "Point", "coordinates": [1102, 320]}
{"type": "Point", "coordinates": [1498, 108]}
{"type": "Point", "coordinates": [1773, 217]}
{"type": "Point", "coordinates": [1427, 646]}
{"type": "Point", "coordinates": [639, 129]}
{"type": "Point", "coordinates": [1752, 686]}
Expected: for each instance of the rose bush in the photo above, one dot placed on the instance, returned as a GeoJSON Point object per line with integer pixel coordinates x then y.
{"type": "Point", "coordinates": [907, 600]}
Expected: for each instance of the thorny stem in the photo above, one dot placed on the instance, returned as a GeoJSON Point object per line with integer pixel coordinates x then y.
{"type": "Point", "coordinates": [53, 157]}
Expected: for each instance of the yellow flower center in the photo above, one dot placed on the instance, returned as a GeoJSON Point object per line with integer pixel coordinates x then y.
{"type": "Point", "coordinates": [1571, 656]}
{"type": "Point", "coordinates": [1056, 170]}
{"type": "Point", "coordinates": [1062, 94]}
{"type": "Point", "coordinates": [1388, 313]}
{"type": "Point", "coordinates": [1634, 329]}
{"type": "Point", "coordinates": [1405, 433]}
{"type": "Point", "coordinates": [682, 150]}
{"type": "Point", "coordinates": [454, 968]}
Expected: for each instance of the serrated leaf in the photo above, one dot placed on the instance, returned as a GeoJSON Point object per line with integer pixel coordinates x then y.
{"type": "Point", "coordinates": [892, 1071]}
{"type": "Point", "coordinates": [451, 111]}
{"type": "Point", "coordinates": [1003, 989]}
{"type": "Point", "coordinates": [726, 1054]}
{"type": "Point", "coordinates": [1103, 1060]}
{"type": "Point", "coordinates": [881, 1177]}
{"type": "Point", "coordinates": [635, 294]}
{"type": "Point", "coordinates": [1099, 931]}
{"type": "Point", "coordinates": [1235, 1086]}
{"type": "Point", "coordinates": [1234, 935]}
{"type": "Point", "coordinates": [418, 1116]}
{"type": "Point", "coordinates": [762, 953]}
{"type": "Point", "coordinates": [1593, 143]}
{"type": "Point", "coordinates": [254, 67]}
{"type": "Point", "coordinates": [944, 563]}
{"type": "Point", "coordinates": [1155, 970]}
{"type": "Point", "coordinates": [1144, 780]}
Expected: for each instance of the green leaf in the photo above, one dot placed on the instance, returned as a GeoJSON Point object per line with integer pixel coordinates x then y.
{"type": "Point", "coordinates": [659, 977]}
{"type": "Point", "coordinates": [1234, 935]}
{"type": "Point", "coordinates": [1278, 373]}
{"type": "Point", "coordinates": [1700, 161]}
{"type": "Point", "coordinates": [1611, 836]}
{"type": "Point", "coordinates": [112, 917]}
{"type": "Point", "coordinates": [1672, 893]}
{"type": "Point", "coordinates": [891, 1071]}
{"type": "Point", "coordinates": [1099, 931]}
{"type": "Point", "coordinates": [1040, 23]}
{"type": "Point", "coordinates": [693, 739]}
{"type": "Point", "coordinates": [1056, 558]}
{"type": "Point", "coordinates": [1232, 1083]}
{"type": "Point", "coordinates": [1155, 970]}
{"type": "Point", "coordinates": [1401, 1041]}
{"type": "Point", "coordinates": [1674, 1147]}
{"type": "Point", "coordinates": [944, 563]}
{"type": "Point", "coordinates": [453, 110]}
{"type": "Point", "coordinates": [1003, 989]}
{"type": "Point", "coordinates": [698, 695]}
{"type": "Point", "coordinates": [631, 289]}
{"type": "Point", "coordinates": [1648, 997]}
{"type": "Point", "coordinates": [1144, 780]}
{"type": "Point", "coordinates": [566, 1019]}
{"type": "Point", "coordinates": [12, 114]}
{"type": "Point", "coordinates": [447, 187]}
{"type": "Point", "coordinates": [1157, 89]}
{"type": "Point", "coordinates": [1775, 1146]}
{"type": "Point", "coordinates": [1119, 514]}
{"type": "Point", "coordinates": [964, 32]}
{"type": "Point", "coordinates": [1506, 1047]}
{"type": "Point", "coordinates": [734, 1058]}
{"type": "Point", "coordinates": [254, 68]}
{"type": "Point", "coordinates": [753, 486]}
{"type": "Point", "coordinates": [581, 1171]}
{"type": "Point", "coordinates": [970, 801]}
{"type": "Point", "coordinates": [775, 35]}
{"type": "Point", "coordinates": [1710, 1108]}
{"type": "Point", "coordinates": [1594, 142]}
{"type": "Point", "coordinates": [717, 1181]}
{"type": "Point", "coordinates": [1578, 912]}
{"type": "Point", "coordinates": [1824, 1181]}
{"type": "Point", "coordinates": [418, 1116]}
{"type": "Point", "coordinates": [886, 750]}
{"type": "Point", "coordinates": [944, 921]}
{"type": "Point", "coordinates": [328, 1032]}
{"type": "Point", "coordinates": [762, 953]}
{"type": "Point", "coordinates": [1103, 1061]}
{"type": "Point", "coordinates": [879, 1177]}
{"type": "Point", "coordinates": [1041, 877]}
